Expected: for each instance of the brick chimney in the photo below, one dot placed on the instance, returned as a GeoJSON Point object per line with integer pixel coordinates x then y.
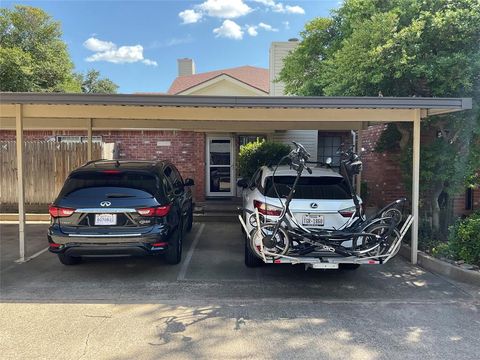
{"type": "Point", "coordinates": [185, 67]}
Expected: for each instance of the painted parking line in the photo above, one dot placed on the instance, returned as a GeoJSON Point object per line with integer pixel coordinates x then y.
{"type": "Point", "coordinates": [188, 258]}
{"type": "Point", "coordinates": [20, 261]}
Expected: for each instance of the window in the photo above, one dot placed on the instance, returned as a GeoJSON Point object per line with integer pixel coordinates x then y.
{"type": "Point", "coordinates": [246, 139]}
{"type": "Point", "coordinates": [469, 199]}
{"type": "Point", "coordinates": [70, 139]}
{"type": "Point", "coordinates": [92, 183]}
{"type": "Point", "coordinates": [309, 187]}
{"type": "Point", "coordinates": [174, 177]}
{"type": "Point", "coordinates": [327, 147]}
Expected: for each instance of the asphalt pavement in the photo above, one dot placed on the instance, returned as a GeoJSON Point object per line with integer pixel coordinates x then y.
{"type": "Point", "coordinates": [212, 306]}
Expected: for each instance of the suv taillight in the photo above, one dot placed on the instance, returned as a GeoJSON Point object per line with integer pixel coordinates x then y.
{"type": "Point", "coordinates": [57, 212]}
{"type": "Point", "coordinates": [155, 211]}
{"type": "Point", "coordinates": [348, 212]}
{"type": "Point", "coordinates": [267, 209]}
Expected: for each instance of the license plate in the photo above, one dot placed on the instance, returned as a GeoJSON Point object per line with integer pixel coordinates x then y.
{"type": "Point", "coordinates": [312, 220]}
{"type": "Point", "coordinates": [105, 219]}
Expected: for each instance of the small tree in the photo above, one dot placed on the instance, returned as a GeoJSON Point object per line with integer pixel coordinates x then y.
{"type": "Point", "coordinates": [259, 153]}
{"type": "Point", "coordinates": [33, 56]}
{"type": "Point", "coordinates": [93, 84]}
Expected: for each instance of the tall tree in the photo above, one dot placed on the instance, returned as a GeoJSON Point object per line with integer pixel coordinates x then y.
{"type": "Point", "coordinates": [92, 83]}
{"type": "Point", "coordinates": [33, 57]}
{"type": "Point", "coordinates": [402, 48]}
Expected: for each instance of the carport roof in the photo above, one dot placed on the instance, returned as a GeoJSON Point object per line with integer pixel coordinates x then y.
{"type": "Point", "coordinates": [431, 106]}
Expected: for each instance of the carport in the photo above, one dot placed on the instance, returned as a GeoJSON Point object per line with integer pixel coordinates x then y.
{"type": "Point", "coordinates": [88, 112]}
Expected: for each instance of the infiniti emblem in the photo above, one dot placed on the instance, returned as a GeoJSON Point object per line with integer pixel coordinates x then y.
{"type": "Point", "coordinates": [105, 203]}
{"type": "Point", "coordinates": [314, 205]}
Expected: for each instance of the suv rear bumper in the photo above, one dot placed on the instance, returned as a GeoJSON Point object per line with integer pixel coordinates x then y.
{"type": "Point", "coordinates": [124, 249]}
{"type": "Point", "coordinates": [105, 246]}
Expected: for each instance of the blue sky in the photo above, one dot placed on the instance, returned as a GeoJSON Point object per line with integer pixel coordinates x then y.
{"type": "Point", "coordinates": [137, 43]}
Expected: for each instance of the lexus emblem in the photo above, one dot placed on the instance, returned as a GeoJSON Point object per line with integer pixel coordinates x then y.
{"type": "Point", "coordinates": [105, 203]}
{"type": "Point", "coordinates": [314, 205]}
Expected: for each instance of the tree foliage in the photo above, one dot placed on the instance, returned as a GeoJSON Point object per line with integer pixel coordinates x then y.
{"type": "Point", "coordinates": [33, 57]}
{"type": "Point", "coordinates": [92, 83]}
{"type": "Point", "coordinates": [402, 48]}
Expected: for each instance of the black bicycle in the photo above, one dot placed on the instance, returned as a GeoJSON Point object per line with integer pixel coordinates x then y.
{"type": "Point", "coordinates": [377, 237]}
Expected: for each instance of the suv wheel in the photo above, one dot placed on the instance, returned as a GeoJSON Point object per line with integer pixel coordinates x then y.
{"type": "Point", "coordinates": [174, 250]}
{"type": "Point", "coordinates": [251, 260]}
{"type": "Point", "coordinates": [69, 260]}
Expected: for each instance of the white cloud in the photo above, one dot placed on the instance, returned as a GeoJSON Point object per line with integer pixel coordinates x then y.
{"type": "Point", "coordinates": [108, 51]}
{"type": "Point", "coordinates": [230, 30]}
{"type": "Point", "coordinates": [149, 62]}
{"type": "Point", "coordinates": [280, 8]}
{"type": "Point", "coordinates": [94, 44]}
{"type": "Point", "coordinates": [294, 9]}
{"type": "Point", "coordinates": [225, 9]}
{"type": "Point", "coordinates": [286, 25]}
{"type": "Point", "coordinates": [252, 30]}
{"type": "Point", "coordinates": [156, 44]}
{"type": "Point", "coordinates": [266, 27]}
{"type": "Point", "coordinates": [190, 16]}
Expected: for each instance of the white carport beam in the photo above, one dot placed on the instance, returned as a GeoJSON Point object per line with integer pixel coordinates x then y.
{"type": "Point", "coordinates": [89, 139]}
{"type": "Point", "coordinates": [359, 145]}
{"type": "Point", "coordinates": [415, 184]}
{"type": "Point", "coordinates": [20, 184]}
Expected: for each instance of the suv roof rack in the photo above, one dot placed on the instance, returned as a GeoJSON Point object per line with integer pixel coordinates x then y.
{"type": "Point", "coordinates": [92, 161]}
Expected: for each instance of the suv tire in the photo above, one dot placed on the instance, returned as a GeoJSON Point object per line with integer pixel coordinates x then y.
{"type": "Point", "coordinates": [251, 260]}
{"type": "Point", "coordinates": [173, 255]}
{"type": "Point", "coordinates": [69, 260]}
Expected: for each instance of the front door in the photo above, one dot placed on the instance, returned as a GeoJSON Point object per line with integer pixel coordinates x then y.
{"type": "Point", "coordinates": [220, 170]}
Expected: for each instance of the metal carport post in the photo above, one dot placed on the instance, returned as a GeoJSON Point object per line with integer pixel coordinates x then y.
{"type": "Point", "coordinates": [36, 111]}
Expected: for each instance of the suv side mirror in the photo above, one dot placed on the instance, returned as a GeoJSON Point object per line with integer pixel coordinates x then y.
{"type": "Point", "coordinates": [189, 182]}
{"type": "Point", "coordinates": [243, 183]}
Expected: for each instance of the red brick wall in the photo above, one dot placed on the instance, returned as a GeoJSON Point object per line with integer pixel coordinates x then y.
{"type": "Point", "coordinates": [459, 203]}
{"type": "Point", "coordinates": [384, 177]}
{"type": "Point", "coordinates": [186, 150]}
{"type": "Point", "coordinates": [381, 171]}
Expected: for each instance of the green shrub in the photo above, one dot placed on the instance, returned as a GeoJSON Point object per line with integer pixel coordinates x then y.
{"type": "Point", "coordinates": [463, 241]}
{"type": "Point", "coordinates": [259, 153]}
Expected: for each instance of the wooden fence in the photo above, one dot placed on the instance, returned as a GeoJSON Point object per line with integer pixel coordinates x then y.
{"type": "Point", "coordinates": [47, 165]}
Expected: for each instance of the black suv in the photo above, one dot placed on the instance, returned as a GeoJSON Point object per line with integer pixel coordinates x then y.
{"type": "Point", "coordinates": [110, 207]}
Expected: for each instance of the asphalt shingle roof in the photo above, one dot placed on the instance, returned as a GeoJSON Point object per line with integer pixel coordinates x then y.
{"type": "Point", "coordinates": [250, 75]}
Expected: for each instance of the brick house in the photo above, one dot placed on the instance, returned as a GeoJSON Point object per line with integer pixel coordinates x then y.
{"type": "Point", "coordinates": [210, 157]}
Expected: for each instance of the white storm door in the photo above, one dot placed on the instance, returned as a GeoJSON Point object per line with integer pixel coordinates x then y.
{"type": "Point", "coordinates": [220, 160]}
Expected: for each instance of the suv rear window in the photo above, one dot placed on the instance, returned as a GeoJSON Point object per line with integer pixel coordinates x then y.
{"type": "Point", "coordinates": [124, 179]}
{"type": "Point", "coordinates": [325, 187]}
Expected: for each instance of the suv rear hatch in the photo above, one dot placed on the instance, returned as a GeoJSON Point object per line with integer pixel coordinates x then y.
{"type": "Point", "coordinates": [109, 203]}
{"type": "Point", "coordinates": [319, 201]}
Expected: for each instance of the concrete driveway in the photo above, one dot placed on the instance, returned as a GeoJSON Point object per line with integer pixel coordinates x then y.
{"type": "Point", "coordinates": [212, 306]}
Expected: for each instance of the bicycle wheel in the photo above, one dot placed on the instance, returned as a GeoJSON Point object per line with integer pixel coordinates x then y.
{"type": "Point", "coordinates": [394, 214]}
{"type": "Point", "coordinates": [276, 245]}
{"type": "Point", "coordinates": [387, 238]}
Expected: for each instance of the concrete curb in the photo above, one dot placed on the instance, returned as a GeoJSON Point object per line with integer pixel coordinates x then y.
{"type": "Point", "coordinates": [443, 268]}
